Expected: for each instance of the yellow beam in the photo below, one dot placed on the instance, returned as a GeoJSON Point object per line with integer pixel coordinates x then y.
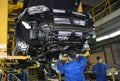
{"type": "Point", "coordinates": [35, 66]}
{"type": "Point", "coordinates": [93, 13]}
{"type": "Point", "coordinates": [3, 68]}
{"type": "Point", "coordinates": [3, 27]}
{"type": "Point", "coordinates": [11, 38]}
{"type": "Point", "coordinates": [104, 10]}
{"type": "Point", "coordinates": [11, 63]}
{"type": "Point", "coordinates": [80, 9]}
{"type": "Point", "coordinates": [108, 1]}
{"type": "Point", "coordinates": [102, 2]}
{"type": "Point", "coordinates": [19, 5]}
{"type": "Point", "coordinates": [11, 30]}
{"type": "Point", "coordinates": [12, 7]}
{"type": "Point", "coordinates": [18, 57]}
{"type": "Point", "coordinates": [11, 20]}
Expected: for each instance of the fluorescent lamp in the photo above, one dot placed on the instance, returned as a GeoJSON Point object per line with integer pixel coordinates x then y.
{"type": "Point", "coordinates": [102, 38]}
{"type": "Point", "coordinates": [115, 34]}
{"type": "Point", "coordinates": [26, 25]}
{"type": "Point", "coordinates": [108, 36]}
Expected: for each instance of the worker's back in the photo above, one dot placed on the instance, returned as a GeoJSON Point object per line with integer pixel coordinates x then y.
{"type": "Point", "coordinates": [74, 69]}
{"type": "Point", "coordinates": [100, 70]}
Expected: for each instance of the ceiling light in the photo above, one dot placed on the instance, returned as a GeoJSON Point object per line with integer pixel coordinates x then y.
{"type": "Point", "coordinates": [108, 36]}
{"type": "Point", "coordinates": [102, 38]}
{"type": "Point", "coordinates": [115, 34]}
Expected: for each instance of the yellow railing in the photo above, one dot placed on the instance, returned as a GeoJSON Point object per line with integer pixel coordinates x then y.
{"type": "Point", "coordinates": [108, 6]}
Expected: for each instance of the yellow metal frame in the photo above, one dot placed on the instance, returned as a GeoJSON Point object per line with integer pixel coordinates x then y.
{"type": "Point", "coordinates": [11, 39]}
{"type": "Point", "coordinates": [11, 30]}
{"type": "Point", "coordinates": [3, 27]}
{"type": "Point", "coordinates": [104, 10]}
{"type": "Point", "coordinates": [98, 28]}
{"type": "Point", "coordinates": [17, 57]}
{"type": "Point", "coordinates": [4, 9]}
{"type": "Point", "coordinates": [98, 5]}
{"type": "Point", "coordinates": [3, 62]}
{"type": "Point", "coordinates": [109, 7]}
{"type": "Point", "coordinates": [11, 20]}
{"type": "Point", "coordinates": [12, 7]}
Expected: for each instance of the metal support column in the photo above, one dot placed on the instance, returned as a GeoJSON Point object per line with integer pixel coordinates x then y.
{"type": "Point", "coordinates": [3, 27]}
{"type": "Point", "coordinates": [93, 13]}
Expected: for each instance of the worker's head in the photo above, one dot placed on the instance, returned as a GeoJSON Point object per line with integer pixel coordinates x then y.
{"type": "Point", "coordinates": [71, 55]}
{"type": "Point", "coordinates": [99, 58]}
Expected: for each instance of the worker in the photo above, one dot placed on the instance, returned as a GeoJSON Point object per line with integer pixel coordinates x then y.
{"type": "Point", "coordinates": [6, 76]}
{"type": "Point", "coordinates": [25, 75]}
{"type": "Point", "coordinates": [73, 70]}
{"type": "Point", "coordinates": [21, 75]}
{"type": "Point", "coordinates": [100, 69]}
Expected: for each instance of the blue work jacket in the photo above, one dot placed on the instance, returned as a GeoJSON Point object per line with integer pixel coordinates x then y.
{"type": "Point", "coordinates": [73, 70]}
{"type": "Point", "coordinates": [100, 70]}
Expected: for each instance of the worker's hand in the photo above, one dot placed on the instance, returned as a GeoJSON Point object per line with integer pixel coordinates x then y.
{"type": "Point", "coordinates": [87, 54]}
{"type": "Point", "coordinates": [60, 57]}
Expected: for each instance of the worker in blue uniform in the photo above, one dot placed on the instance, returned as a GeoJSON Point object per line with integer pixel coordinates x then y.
{"type": "Point", "coordinates": [73, 70]}
{"type": "Point", "coordinates": [25, 75]}
{"type": "Point", "coordinates": [10, 77]}
{"type": "Point", "coordinates": [21, 76]}
{"type": "Point", "coordinates": [100, 69]}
